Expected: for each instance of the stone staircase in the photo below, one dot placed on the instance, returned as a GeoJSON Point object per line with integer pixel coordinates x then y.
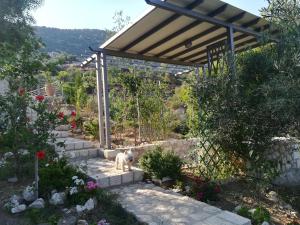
{"type": "Point", "coordinates": [74, 148]}
{"type": "Point", "coordinates": [98, 168]}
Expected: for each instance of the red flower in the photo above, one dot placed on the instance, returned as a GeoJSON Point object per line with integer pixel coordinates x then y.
{"type": "Point", "coordinates": [21, 91]}
{"type": "Point", "coordinates": [73, 124]}
{"type": "Point", "coordinates": [61, 115]}
{"type": "Point", "coordinates": [73, 113]}
{"type": "Point", "coordinates": [39, 98]}
{"type": "Point", "coordinates": [217, 189]}
{"type": "Point", "coordinates": [41, 154]}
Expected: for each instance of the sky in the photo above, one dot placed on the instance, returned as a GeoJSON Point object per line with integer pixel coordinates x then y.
{"type": "Point", "coordinates": [98, 14]}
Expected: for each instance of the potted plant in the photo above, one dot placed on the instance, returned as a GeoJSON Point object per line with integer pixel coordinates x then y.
{"type": "Point", "coordinates": [49, 88]}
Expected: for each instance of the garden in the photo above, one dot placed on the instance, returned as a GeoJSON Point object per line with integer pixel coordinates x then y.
{"type": "Point", "coordinates": [245, 122]}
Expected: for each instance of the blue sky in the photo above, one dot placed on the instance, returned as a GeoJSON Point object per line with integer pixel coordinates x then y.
{"type": "Point", "coordinates": [71, 14]}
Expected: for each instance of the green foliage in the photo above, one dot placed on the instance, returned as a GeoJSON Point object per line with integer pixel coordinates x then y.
{"type": "Point", "coordinates": [46, 215]}
{"type": "Point", "coordinates": [160, 164]}
{"type": "Point", "coordinates": [91, 127]}
{"type": "Point", "coordinates": [57, 176]}
{"type": "Point", "coordinates": [244, 211]}
{"type": "Point", "coordinates": [260, 215]}
{"type": "Point", "coordinates": [74, 90]}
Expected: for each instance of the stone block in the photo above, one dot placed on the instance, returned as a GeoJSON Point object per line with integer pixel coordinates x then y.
{"type": "Point", "coordinates": [78, 145]}
{"type": "Point", "coordinates": [84, 153]}
{"type": "Point", "coordinates": [298, 163]}
{"type": "Point", "coordinates": [103, 182]}
{"type": "Point", "coordinates": [87, 144]}
{"type": "Point", "coordinates": [115, 180]}
{"type": "Point", "coordinates": [138, 175]}
{"type": "Point", "coordinates": [110, 154]}
{"type": "Point", "coordinates": [127, 177]}
{"type": "Point", "coordinates": [93, 152]}
{"type": "Point", "coordinates": [296, 155]}
{"type": "Point", "coordinates": [69, 146]}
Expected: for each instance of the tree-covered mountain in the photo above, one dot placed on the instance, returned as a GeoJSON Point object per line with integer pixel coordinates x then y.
{"type": "Point", "coordinates": [72, 41]}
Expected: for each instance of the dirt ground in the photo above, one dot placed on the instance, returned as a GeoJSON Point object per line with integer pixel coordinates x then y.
{"type": "Point", "coordinates": [246, 192]}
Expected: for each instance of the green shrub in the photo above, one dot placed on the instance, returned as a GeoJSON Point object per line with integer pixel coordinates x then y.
{"type": "Point", "coordinates": [57, 175]}
{"type": "Point", "coordinates": [260, 215]}
{"type": "Point", "coordinates": [160, 164]}
{"type": "Point", "coordinates": [91, 127]}
{"type": "Point", "coordinates": [244, 211]}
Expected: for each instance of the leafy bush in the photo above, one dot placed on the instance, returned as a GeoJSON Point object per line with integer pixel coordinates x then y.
{"type": "Point", "coordinates": [91, 127]}
{"type": "Point", "coordinates": [57, 175]}
{"type": "Point", "coordinates": [244, 211]}
{"type": "Point", "coordinates": [160, 164]}
{"type": "Point", "coordinates": [260, 215]}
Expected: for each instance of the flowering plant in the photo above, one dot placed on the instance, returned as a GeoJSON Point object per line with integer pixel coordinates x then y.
{"type": "Point", "coordinates": [41, 154]}
{"type": "Point", "coordinates": [206, 191]}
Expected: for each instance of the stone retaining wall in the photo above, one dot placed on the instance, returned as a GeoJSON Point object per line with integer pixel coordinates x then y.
{"type": "Point", "coordinates": [286, 151]}
{"type": "Point", "coordinates": [179, 146]}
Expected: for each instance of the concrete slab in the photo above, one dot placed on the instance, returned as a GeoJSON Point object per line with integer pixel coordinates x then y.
{"type": "Point", "coordinates": [103, 171]}
{"type": "Point", "coordinates": [154, 205]}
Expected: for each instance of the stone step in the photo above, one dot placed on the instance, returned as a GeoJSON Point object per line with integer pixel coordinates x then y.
{"type": "Point", "coordinates": [81, 154]}
{"type": "Point", "coordinates": [63, 128]}
{"type": "Point", "coordinates": [73, 144]}
{"type": "Point", "coordinates": [104, 173]}
{"type": "Point", "coordinates": [61, 134]}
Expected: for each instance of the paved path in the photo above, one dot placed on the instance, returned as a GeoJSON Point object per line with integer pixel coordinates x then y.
{"type": "Point", "coordinates": [156, 206]}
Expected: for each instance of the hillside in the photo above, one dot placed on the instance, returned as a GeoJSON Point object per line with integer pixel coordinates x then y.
{"type": "Point", "coordinates": [72, 41]}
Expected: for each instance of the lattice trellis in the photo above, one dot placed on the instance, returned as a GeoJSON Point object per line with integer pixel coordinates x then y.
{"type": "Point", "coordinates": [217, 56]}
{"type": "Point", "coordinates": [208, 158]}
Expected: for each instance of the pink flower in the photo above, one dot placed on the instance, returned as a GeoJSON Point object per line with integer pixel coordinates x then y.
{"type": "Point", "coordinates": [39, 98]}
{"type": "Point", "coordinates": [73, 113]}
{"type": "Point", "coordinates": [91, 185]}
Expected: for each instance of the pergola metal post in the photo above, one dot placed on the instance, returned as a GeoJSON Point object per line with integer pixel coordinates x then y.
{"type": "Point", "coordinates": [106, 100]}
{"type": "Point", "coordinates": [231, 48]}
{"type": "Point", "coordinates": [100, 101]}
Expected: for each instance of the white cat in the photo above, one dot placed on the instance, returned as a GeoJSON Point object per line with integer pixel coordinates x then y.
{"type": "Point", "coordinates": [123, 159]}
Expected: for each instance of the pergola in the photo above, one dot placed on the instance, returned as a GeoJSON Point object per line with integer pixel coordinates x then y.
{"type": "Point", "coordinates": [195, 33]}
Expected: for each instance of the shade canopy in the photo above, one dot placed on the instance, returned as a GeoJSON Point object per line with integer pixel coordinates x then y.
{"type": "Point", "coordinates": [180, 31]}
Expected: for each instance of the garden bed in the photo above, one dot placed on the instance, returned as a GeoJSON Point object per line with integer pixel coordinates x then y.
{"type": "Point", "coordinates": [109, 210]}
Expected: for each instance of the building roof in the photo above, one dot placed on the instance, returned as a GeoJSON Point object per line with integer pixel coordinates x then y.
{"type": "Point", "coordinates": [179, 31]}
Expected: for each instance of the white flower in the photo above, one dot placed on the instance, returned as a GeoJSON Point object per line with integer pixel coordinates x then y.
{"type": "Point", "coordinates": [23, 151]}
{"type": "Point", "coordinates": [8, 155]}
{"type": "Point", "coordinates": [2, 163]}
{"type": "Point", "coordinates": [79, 182]}
{"type": "Point", "coordinates": [73, 190]}
{"type": "Point", "coordinates": [47, 165]}
{"type": "Point", "coordinates": [74, 178]}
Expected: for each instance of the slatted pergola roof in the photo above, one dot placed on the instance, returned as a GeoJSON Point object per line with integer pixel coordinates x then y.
{"type": "Point", "coordinates": [179, 31]}
{"type": "Point", "coordinates": [182, 32]}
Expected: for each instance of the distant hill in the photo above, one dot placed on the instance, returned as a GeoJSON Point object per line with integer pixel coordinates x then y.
{"type": "Point", "coordinates": [71, 41]}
